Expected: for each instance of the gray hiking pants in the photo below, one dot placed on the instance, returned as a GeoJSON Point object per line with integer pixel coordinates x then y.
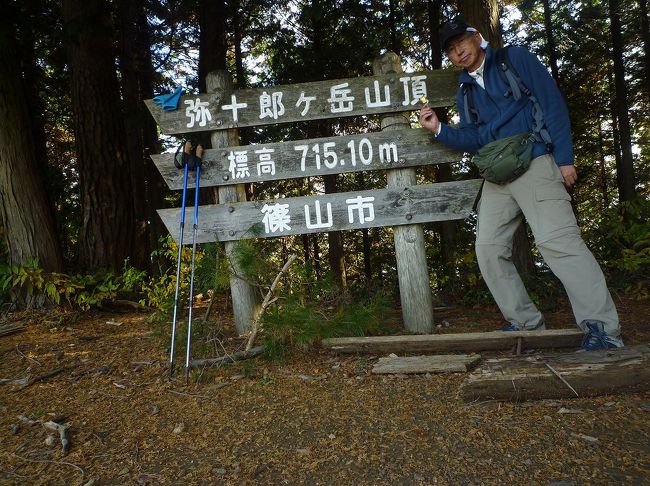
{"type": "Point", "coordinates": [540, 195]}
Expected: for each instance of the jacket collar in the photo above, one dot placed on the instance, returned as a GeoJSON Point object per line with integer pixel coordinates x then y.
{"type": "Point", "coordinates": [489, 59]}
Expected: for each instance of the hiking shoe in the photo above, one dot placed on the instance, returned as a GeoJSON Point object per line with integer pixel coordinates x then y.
{"type": "Point", "coordinates": [511, 326]}
{"type": "Point", "coordinates": [596, 338]}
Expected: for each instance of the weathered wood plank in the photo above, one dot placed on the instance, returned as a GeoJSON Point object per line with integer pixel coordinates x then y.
{"type": "Point", "coordinates": [590, 374]}
{"type": "Point", "coordinates": [389, 93]}
{"type": "Point", "coordinates": [314, 157]}
{"type": "Point", "coordinates": [460, 342]}
{"type": "Point", "coordinates": [446, 363]}
{"type": "Point", "coordinates": [328, 212]}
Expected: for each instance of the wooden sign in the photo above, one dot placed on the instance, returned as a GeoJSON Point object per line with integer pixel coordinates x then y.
{"type": "Point", "coordinates": [315, 157]}
{"type": "Point", "coordinates": [327, 212]}
{"type": "Point", "coordinates": [389, 93]}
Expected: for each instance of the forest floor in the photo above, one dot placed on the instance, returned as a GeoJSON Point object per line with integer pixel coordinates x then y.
{"type": "Point", "coordinates": [316, 418]}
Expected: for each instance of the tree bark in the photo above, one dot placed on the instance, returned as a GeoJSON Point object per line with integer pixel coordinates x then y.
{"type": "Point", "coordinates": [626, 188]}
{"type": "Point", "coordinates": [212, 39]}
{"type": "Point", "coordinates": [107, 227]}
{"type": "Point", "coordinates": [27, 215]}
{"type": "Point", "coordinates": [447, 229]}
{"type": "Point", "coordinates": [335, 241]}
{"type": "Point", "coordinates": [645, 37]}
{"type": "Point", "coordinates": [212, 57]}
{"type": "Point", "coordinates": [550, 42]}
{"type": "Point", "coordinates": [136, 69]}
{"type": "Point", "coordinates": [484, 15]}
{"type": "Point", "coordinates": [365, 235]}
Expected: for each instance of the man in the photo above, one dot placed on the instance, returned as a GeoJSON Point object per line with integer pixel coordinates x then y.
{"type": "Point", "coordinates": [540, 194]}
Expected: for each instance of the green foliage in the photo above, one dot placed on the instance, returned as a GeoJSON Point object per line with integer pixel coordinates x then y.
{"type": "Point", "coordinates": [132, 279]}
{"type": "Point", "coordinates": [621, 240]}
{"type": "Point", "coordinates": [31, 285]}
{"type": "Point", "coordinates": [299, 322]}
{"type": "Point", "coordinates": [159, 290]}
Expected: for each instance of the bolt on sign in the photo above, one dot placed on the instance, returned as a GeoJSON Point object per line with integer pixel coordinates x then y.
{"type": "Point", "coordinates": [391, 149]}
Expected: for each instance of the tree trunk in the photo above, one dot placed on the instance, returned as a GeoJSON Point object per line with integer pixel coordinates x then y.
{"type": "Point", "coordinates": [603, 167]}
{"type": "Point", "coordinates": [240, 74]}
{"type": "Point", "coordinates": [365, 235]}
{"type": "Point", "coordinates": [107, 227]}
{"type": "Point", "coordinates": [335, 241]}
{"type": "Point", "coordinates": [212, 57]}
{"type": "Point", "coordinates": [137, 85]}
{"type": "Point", "coordinates": [484, 15]}
{"type": "Point", "coordinates": [627, 186]}
{"type": "Point", "coordinates": [550, 42]}
{"type": "Point", "coordinates": [26, 213]}
{"type": "Point", "coordinates": [394, 43]}
{"type": "Point", "coordinates": [645, 38]}
{"type": "Point", "coordinates": [212, 39]}
{"type": "Point", "coordinates": [447, 229]}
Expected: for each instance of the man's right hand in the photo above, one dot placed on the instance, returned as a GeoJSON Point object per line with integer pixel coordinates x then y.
{"type": "Point", "coordinates": [429, 119]}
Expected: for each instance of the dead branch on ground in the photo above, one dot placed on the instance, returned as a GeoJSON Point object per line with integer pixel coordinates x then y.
{"type": "Point", "coordinates": [268, 300]}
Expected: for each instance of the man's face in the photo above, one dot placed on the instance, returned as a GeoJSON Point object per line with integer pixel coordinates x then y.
{"type": "Point", "coordinates": [464, 51]}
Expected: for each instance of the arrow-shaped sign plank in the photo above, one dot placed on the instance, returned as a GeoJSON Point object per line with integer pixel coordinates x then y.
{"type": "Point", "coordinates": [366, 95]}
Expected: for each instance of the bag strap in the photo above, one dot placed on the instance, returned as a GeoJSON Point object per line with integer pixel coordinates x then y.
{"type": "Point", "coordinates": [516, 88]}
{"type": "Point", "coordinates": [471, 114]}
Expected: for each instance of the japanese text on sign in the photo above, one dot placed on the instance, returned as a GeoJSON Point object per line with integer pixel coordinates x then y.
{"type": "Point", "coordinates": [277, 217]}
{"type": "Point", "coordinates": [273, 104]}
{"type": "Point", "coordinates": [321, 156]}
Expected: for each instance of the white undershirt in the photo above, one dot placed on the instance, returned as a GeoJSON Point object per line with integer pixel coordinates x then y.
{"type": "Point", "coordinates": [478, 74]}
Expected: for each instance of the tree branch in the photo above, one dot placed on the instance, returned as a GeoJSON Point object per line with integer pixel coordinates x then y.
{"type": "Point", "coordinates": [268, 300]}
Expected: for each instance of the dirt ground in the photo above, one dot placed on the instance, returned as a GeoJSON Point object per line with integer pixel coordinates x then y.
{"type": "Point", "coordinates": [315, 419]}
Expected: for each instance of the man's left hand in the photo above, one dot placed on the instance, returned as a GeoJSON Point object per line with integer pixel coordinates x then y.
{"type": "Point", "coordinates": [570, 175]}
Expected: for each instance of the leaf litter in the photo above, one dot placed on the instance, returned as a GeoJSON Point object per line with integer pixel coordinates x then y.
{"type": "Point", "coordinates": [314, 419]}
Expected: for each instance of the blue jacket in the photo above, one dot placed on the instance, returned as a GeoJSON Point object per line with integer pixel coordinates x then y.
{"type": "Point", "coordinates": [501, 116]}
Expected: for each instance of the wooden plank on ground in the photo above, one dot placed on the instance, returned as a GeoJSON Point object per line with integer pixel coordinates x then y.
{"type": "Point", "coordinates": [327, 212]}
{"type": "Point", "coordinates": [446, 363]}
{"type": "Point", "coordinates": [590, 373]}
{"type": "Point", "coordinates": [364, 95]}
{"type": "Point", "coordinates": [462, 342]}
{"type": "Point", "coordinates": [314, 157]}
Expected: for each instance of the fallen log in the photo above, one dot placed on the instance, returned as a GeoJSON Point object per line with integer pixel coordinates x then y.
{"type": "Point", "coordinates": [454, 363]}
{"type": "Point", "coordinates": [449, 343]}
{"type": "Point", "coordinates": [567, 375]}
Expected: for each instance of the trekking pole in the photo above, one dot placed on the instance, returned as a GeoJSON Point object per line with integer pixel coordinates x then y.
{"type": "Point", "coordinates": [187, 149]}
{"type": "Point", "coordinates": [197, 165]}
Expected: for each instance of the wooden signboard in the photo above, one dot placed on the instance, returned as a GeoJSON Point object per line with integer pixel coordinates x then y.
{"type": "Point", "coordinates": [315, 157]}
{"type": "Point", "coordinates": [328, 212]}
{"type": "Point", "coordinates": [389, 93]}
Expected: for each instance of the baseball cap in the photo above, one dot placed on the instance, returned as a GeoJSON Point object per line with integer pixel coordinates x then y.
{"type": "Point", "coordinates": [452, 29]}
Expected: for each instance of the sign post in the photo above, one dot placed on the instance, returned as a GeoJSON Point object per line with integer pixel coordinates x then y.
{"type": "Point", "coordinates": [412, 270]}
{"type": "Point", "coordinates": [244, 301]}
